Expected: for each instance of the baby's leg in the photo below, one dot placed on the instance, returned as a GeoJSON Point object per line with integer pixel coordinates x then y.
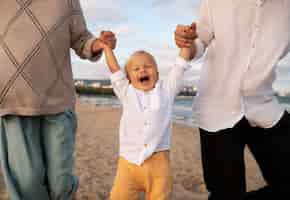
{"type": "Point", "coordinates": [125, 187]}
{"type": "Point", "coordinates": [159, 182]}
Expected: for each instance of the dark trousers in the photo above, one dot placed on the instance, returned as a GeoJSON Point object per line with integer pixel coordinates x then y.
{"type": "Point", "coordinates": [224, 165]}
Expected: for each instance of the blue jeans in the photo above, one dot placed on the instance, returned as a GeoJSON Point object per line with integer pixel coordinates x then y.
{"type": "Point", "coordinates": [37, 156]}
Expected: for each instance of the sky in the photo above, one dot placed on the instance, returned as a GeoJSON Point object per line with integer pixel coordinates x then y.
{"type": "Point", "coordinates": [147, 25]}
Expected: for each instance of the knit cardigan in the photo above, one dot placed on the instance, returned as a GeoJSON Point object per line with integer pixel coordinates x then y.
{"type": "Point", "coordinates": [35, 65]}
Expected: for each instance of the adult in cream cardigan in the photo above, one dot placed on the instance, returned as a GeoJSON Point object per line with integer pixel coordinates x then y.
{"type": "Point", "coordinates": [37, 95]}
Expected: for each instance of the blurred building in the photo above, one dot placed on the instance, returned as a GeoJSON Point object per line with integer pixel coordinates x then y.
{"type": "Point", "coordinates": [102, 83]}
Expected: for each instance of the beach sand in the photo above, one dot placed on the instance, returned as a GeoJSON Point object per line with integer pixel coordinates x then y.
{"type": "Point", "coordinates": [97, 153]}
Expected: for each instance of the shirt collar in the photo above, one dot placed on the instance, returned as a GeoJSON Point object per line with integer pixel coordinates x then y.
{"type": "Point", "coordinates": [154, 90]}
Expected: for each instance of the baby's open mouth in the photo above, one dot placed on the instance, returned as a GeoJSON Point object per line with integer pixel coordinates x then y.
{"type": "Point", "coordinates": [144, 79]}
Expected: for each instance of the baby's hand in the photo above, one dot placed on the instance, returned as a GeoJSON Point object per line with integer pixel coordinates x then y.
{"type": "Point", "coordinates": [108, 42]}
{"type": "Point", "coordinates": [185, 35]}
{"type": "Point", "coordinates": [108, 39]}
{"type": "Point", "coordinates": [184, 38]}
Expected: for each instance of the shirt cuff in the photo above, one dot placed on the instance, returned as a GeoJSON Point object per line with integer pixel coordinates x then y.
{"type": "Point", "coordinates": [87, 51]}
{"type": "Point", "coordinates": [181, 62]}
{"type": "Point", "coordinates": [117, 76]}
{"type": "Point", "coordinates": [200, 49]}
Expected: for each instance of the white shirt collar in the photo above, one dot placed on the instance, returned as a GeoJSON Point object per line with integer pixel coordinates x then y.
{"type": "Point", "coordinates": [154, 90]}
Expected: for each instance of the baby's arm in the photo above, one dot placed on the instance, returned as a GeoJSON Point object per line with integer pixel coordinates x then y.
{"type": "Point", "coordinates": [188, 52]}
{"type": "Point", "coordinates": [118, 78]}
{"type": "Point", "coordinates": [186, 38]}
{"type": "Point", "coordinates": [173, 81]}
{"type": "Point", "coordinates": [108, 42]}
{"type": "Point", "coordinates": [111, 60]}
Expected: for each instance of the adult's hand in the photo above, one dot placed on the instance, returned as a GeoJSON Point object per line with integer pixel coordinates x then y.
{"type": "Point", "coordinates": [106, 38]}
{"type": "Point", "coordinates": [185, 35]}
{"type": "Point", "coordinates": [109, 38]}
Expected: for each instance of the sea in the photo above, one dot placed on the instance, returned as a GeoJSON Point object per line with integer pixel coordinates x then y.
{"type": "Point", "coordinates": [182, 110]}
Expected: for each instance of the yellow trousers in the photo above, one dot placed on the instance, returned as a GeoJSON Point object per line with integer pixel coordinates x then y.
{"type": "Point", "coordinates": [153, 177]}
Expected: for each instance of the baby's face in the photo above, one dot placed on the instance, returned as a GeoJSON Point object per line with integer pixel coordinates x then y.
{"type": "Point", "coordinates": [142, 71]}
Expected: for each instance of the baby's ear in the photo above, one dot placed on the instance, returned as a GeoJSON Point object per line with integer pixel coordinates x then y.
{"type": "Point", "coordinates": [127, 73]}
{"type": "Point", "coordinates": [128, 77]}
{"type": "Point", "coordinates": [193, 26]}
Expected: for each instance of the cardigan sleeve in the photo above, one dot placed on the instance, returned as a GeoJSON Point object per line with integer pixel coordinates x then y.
{"type": "Point", "coordinates": [81, 37]}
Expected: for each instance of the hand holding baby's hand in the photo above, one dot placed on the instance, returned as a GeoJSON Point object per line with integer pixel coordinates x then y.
{"type": "Point", "coordinates": [185, 35]}
{"type": "Point", "coordinates": [106, 39]}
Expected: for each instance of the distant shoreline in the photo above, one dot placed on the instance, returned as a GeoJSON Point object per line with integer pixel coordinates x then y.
{"type": "Point", "coordinates": [89, 90]}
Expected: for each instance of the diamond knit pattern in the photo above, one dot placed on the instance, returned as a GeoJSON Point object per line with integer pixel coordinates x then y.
{"type": "Point", "coordinates": [35, 69]}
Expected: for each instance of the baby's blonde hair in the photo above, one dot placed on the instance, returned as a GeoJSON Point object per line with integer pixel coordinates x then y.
{"type": "Point", "coordinates": [139, 52]}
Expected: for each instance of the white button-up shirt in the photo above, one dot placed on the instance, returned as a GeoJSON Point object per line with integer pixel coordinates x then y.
{"type": "Point", "coordinates": [145, 125]}
{"type": "Point", "coordinates": [244, 41]}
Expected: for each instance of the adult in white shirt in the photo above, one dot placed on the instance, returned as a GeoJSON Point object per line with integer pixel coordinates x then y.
{"type": "Point", "coordinates": [235, 105]}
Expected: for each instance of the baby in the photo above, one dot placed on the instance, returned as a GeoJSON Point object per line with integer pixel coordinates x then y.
{"type": "Point", "coordinates": [145, 126]}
